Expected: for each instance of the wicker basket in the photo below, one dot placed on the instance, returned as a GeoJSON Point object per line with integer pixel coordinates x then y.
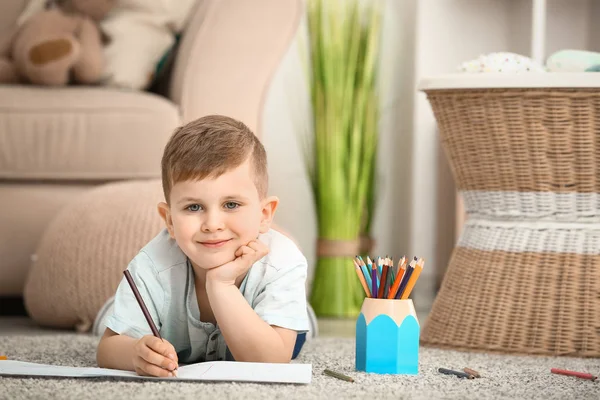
{"type": "Point", "coordinates": [525, 274]}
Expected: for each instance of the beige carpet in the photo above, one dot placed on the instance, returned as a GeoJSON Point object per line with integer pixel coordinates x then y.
{"type": "Point", "coordinates": [505, 377]}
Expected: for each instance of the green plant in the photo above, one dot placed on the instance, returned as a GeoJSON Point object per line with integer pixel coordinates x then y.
{"type": "Point", "coordinates": [344, 46]}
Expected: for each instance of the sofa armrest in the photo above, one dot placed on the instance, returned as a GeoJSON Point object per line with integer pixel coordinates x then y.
{"type": "Point", "coordinates": [229, 51]}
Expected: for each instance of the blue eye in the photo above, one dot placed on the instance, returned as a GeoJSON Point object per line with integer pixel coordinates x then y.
{"type": "Point", "coordinates": [230, 205]}
{"type": "Point", "coordinates": [193, 207]}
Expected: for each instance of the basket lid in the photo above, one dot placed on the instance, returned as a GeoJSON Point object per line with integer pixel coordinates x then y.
{"type": "Point", "coordinates": [499, 80]}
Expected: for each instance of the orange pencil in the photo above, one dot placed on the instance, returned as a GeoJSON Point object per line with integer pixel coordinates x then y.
{"type": "Point", "coordinates": [401, 264]}
{"type": "Point", "coordinates": [361, 278]}
{"type": "Point", "coordinates": [413, 279]}
{"type": "Point", "coordinates": [396, 284]}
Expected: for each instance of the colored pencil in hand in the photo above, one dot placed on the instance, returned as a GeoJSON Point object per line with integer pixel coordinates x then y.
{"type": "Point", "coordinates": [142, 305]}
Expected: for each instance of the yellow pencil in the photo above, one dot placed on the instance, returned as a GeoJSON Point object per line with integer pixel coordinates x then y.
{"type": "Point", "coordinates": [413, 279]}
{"type": "Point", "coordinates": [361, 278]}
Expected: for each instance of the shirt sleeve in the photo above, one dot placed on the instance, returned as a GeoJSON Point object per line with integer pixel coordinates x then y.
{"type": "Point", "coordinates": [283, 300]}
{"type": "Point", "coordinates": [128, 318]}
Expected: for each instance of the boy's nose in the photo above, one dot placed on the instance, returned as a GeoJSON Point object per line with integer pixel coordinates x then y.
{"type": "Point", "coordinates": [212, 223]}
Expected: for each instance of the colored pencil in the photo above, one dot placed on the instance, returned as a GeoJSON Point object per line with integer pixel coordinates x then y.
{"type": "Point", "coordinates": [374, 280]}
{"type": "Point", "coordinates": [383, 281]}
{"type": "Point", "coordinates": [460, 374]}
{"type": "Point", "coordinates": [389, 283]}
{"type": "Point", "coordinates": [375, 261]}
{"type": "Point", "coordinates": [388, 279]}
{"type": "Point", "coordinates": [409, 270]}
{"type": "Point", "coordinates": [401, 264]}
{"type": "Point", "coordinates": [369, 265]}
{"type": "Point", "coordinates": [472, 372]}
{"type": "Point", "coordinates": [338, 375]}
{"type": "Point", "coordinates": [142, 305]}
{"type": "Point", "coordinates": [413, 279]}
{"type": "Point", "coordinates": [396, 284]}
{"type": "Point", "coordinates": [365, 272]}
{"type": "Point", "coordinates": [361, 278]}
{"type": "Point", "coordinates": [582, 375]}
{"type": "Point", "coordinates": [145, 311]}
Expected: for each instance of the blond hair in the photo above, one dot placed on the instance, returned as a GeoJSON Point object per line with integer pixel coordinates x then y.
{"type": "Point", "coordinates": [207, 148]}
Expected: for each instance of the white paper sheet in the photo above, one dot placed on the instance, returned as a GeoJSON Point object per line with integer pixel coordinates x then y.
{"type": "Point", "coordinates": [209, 371]}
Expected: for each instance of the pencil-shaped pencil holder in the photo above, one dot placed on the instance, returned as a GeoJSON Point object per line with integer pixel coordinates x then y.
{"type": "Point", "coordinates": [387, 337]}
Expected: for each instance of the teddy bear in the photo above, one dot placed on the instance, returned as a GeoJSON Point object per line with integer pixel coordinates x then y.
{"type": "Point", "coordinates": [57, 45]}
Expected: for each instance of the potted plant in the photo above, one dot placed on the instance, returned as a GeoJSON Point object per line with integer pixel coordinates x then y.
{"type": "Point", "coordinates": [344, 51]}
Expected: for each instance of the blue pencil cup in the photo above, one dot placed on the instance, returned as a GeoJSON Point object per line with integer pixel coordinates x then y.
{"type": "Point", "coordinates": [387, 337]}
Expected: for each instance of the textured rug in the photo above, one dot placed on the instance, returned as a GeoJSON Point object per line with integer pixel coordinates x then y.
{"type": "Point", "coordinates": [508, 377]}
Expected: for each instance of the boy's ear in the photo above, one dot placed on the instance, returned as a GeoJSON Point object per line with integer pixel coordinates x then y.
{"type": "Point", "coordinates": [165, 213]}
{"type": "Point", "coordinates": [268, 212]}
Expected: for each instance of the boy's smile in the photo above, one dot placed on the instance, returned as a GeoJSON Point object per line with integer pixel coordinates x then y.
{"type": "Point", "coordinates": [215, 244]}
{"type": "Point", "coordinates": [212, 217]}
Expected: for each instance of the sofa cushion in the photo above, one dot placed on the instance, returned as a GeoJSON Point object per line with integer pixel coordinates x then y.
{"type": "Point", "coordinates": [81, 256]}
{"type": "Point", "coordinates": [82, 133]}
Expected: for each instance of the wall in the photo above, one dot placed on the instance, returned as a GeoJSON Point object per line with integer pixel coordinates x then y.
{"type": "Point", "coordinates": [568, 25]}
{"type": "Point", "coordinates": [442, 43]}
{"type": "Point", "coordinates": [594, 27]}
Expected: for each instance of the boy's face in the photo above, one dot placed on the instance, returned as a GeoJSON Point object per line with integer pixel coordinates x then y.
{"type": "Point", "coordinates": [211, 218]}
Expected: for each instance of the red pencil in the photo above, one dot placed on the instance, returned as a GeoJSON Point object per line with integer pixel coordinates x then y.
{"type": "Point", "coordinates": [573, 373]}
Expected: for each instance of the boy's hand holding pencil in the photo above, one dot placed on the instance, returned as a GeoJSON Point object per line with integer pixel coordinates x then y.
{"type": "Point", "coordinates": [154, 357]}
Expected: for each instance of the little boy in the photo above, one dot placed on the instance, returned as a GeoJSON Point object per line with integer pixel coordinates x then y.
{"type": "Point", "coordinates": [219, 283]}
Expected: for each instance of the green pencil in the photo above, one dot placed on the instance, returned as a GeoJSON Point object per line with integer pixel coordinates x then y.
{"type": "Point", "coordinates": [338, 375]}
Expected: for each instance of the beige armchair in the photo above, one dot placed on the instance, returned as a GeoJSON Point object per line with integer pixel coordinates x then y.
{"type": "Point", "coordinates": [58, 142]}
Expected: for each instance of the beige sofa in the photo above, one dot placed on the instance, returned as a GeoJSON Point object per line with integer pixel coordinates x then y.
{"type": "Point", "coordinates": [58, 142]}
